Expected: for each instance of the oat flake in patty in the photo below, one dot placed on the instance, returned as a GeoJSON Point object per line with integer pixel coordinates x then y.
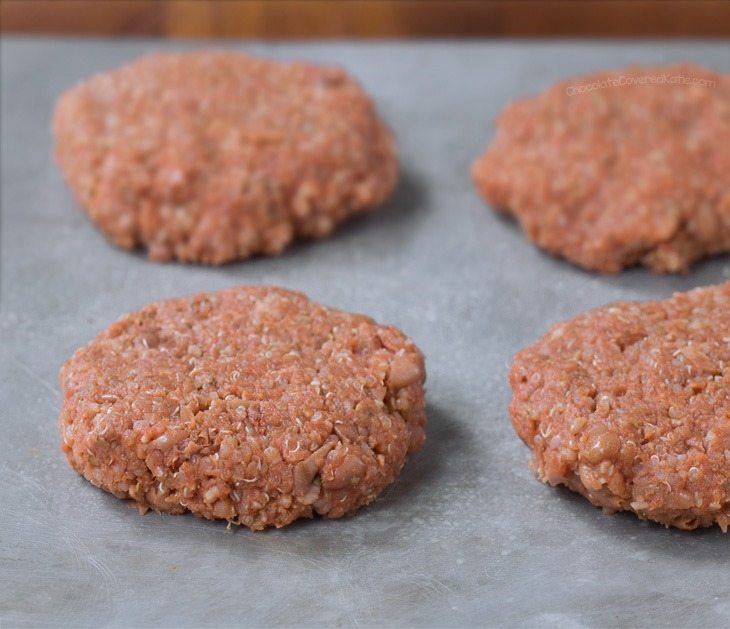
{"type": "Point", "coordinates": [217, 156]}
{"type": "Point", "coordinates": [253, 405]}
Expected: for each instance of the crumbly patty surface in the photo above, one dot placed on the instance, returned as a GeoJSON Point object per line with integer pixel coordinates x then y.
{"type": "Point", "coordinates": [613, 176]}
{"type": "Point", "coordinates": [253, 405]}
{"type": "Point", "coordinates": [216, 156]}
{"type": "Point", "coordinates": [629, 405]}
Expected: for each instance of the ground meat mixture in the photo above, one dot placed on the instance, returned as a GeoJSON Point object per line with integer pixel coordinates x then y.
{"type": "Point", "coordinates": [611, 170]}
{"type": "Point", "coordinates": [216, 156]}
{"type": "Point", "coordinates": [629, 405]}
{"type": "Point", "coordinates": [253, 405]}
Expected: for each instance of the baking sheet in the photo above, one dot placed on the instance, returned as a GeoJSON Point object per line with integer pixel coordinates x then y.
{"type": "Point", "coordinates": [466, 536]}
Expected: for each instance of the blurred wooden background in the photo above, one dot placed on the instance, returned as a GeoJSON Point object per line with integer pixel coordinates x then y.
{"type": "Point", "coordinates": [368, 18]}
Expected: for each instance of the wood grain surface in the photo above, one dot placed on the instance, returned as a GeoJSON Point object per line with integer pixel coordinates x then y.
{"type": "Point", "coordinates": [302, 19]}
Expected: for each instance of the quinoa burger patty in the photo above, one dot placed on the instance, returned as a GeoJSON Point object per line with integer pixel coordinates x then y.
{"type": "Point", "coordinates": [253, 405]}
{"type": "Point", "coordinates": [611, 170]}
{"type": "Point", "coordinates": [217, 156]}
{"type": "Point", "coordinates": [629, 405]}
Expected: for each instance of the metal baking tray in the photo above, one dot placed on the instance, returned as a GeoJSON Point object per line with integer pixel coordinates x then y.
{"type": "Point", "coordinates": [466, 536]}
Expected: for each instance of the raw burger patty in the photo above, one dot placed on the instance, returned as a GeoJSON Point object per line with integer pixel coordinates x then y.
{"type": "Point", "coordinates": [629, 405]}
{"type": "Point", "coordinates": [253, 405]}
{"type": "Point", "coordinates": [618, 176]}
{"type": "Point", "coordinates": [217, 156]}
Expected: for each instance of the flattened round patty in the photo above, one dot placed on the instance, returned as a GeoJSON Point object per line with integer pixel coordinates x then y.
{"type": "Point", "coordinates": [216, 156]}
{"type": "Point", "coordinates": [609, 172]}
{"type": "Point", "coordinates": [253, 405]}
{"type": "Point", "coordinates": [629, 405]}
